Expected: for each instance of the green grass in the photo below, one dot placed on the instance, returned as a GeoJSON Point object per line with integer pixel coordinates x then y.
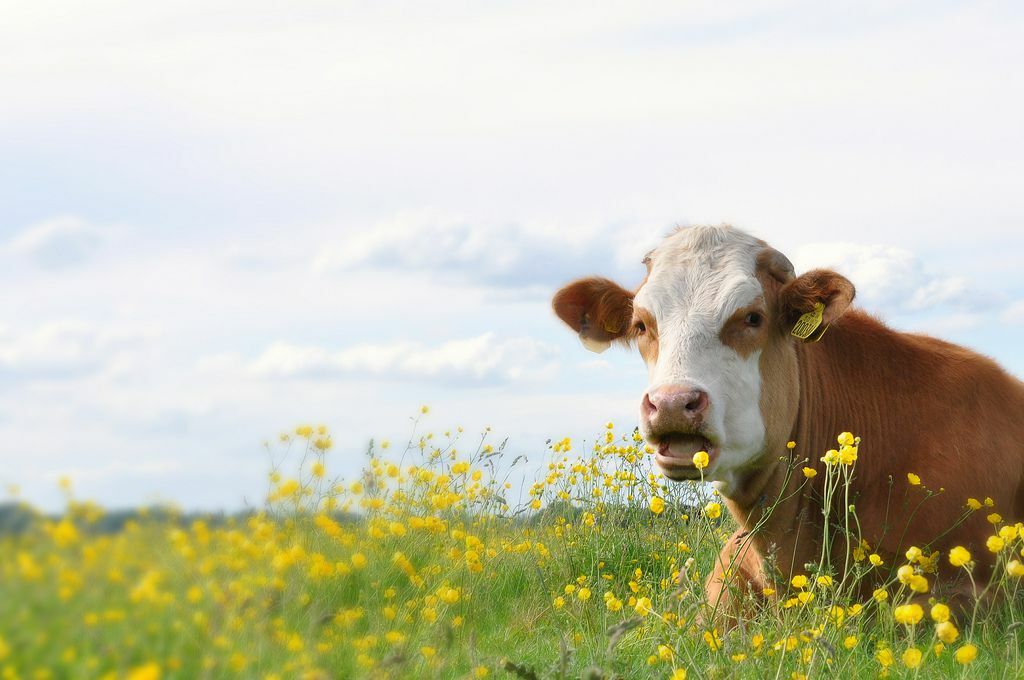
{"type": "Point", "coordinates": [280, 594]}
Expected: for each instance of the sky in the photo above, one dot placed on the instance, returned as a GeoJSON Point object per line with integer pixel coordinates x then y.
{"type": "Point", "coordinates": [221, 220]}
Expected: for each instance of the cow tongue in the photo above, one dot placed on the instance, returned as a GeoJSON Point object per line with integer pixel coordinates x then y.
{"type": "Point", "coordinates": [684, 446]}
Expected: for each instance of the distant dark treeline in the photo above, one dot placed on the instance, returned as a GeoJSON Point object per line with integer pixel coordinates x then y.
{"type": "Point", "coordinates": [17, 518]}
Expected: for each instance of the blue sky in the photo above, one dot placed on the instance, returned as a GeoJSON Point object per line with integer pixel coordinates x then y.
{"type": "Point", "coordinates": [217, 222]}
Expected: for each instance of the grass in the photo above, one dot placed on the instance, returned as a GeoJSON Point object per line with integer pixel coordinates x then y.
{"type": "Point", "coordinates": [426, 567]}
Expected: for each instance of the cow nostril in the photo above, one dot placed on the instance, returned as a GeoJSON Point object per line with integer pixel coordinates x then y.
{"type": "Point", "coordinates": [648, 405]}
{"type": "Point", "coordinates": [698, 402]}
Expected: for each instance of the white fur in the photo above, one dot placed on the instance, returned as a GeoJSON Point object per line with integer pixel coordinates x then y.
{"type": "Point", "coordinates": [699, 277]}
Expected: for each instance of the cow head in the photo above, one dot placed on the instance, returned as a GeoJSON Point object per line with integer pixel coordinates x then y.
{"type": "Point", "coordinates": [713, 322]}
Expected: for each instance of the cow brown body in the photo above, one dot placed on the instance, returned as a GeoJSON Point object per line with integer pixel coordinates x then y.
{"type": "Point", "coordinates": [920, 405]}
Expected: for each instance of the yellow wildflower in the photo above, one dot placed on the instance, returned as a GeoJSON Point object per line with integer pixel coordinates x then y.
{"type": "Point", "coordinates": [959, 556]}
{"type": "Point", "coordinates": [966, 654]}
{"type": "Point", "coordinates": [912, 657]}
{"type": "Point", "coordinates": [149, 671]}
{"type": "Point", "coordinates": [713, 640]}
{"type": "Point", "coordinates": [700, 460]}
{"type": "Point", "coordinates": [908, 614]}
{"type": "Point", "coordinates": [947, 632]}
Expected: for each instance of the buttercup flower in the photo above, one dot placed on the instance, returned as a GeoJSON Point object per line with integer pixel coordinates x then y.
{"type": "Point", "coordinates": [657, 505]}
{"type": "Point", "coordinates": [959, 556]}
{"type": "Point", "coordinates": [966, 654]}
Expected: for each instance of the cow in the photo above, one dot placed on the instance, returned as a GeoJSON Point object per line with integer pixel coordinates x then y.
{"type": "Point", "coordinates": [716, 320]}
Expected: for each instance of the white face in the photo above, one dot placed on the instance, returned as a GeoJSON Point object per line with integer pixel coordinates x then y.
{"type": "Point", "coordinates": [703, 280]}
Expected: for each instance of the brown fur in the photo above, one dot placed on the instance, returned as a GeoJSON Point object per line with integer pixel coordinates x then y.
{"type": "Point", "coordinates": [920, 405]}
{"type": "Point", "coordinates": [735, 332]}
{"type": "Point", "coordinates": [647, 341]}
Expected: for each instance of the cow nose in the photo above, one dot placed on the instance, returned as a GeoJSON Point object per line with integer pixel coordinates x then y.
{"type": "Point", "coordinates": [675, 406]}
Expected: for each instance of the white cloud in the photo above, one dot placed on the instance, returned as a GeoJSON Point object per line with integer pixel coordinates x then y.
{"type": "Point", "coordinates": [890, 279]}
{"type": "Point", "coordinates": [445, 245]}
{"type": "Point", "coordinates": [481, 359]}
{"type": "Point", "coordinates": [533, 257]}
{"type": "Point", "coordinates": [62, 349]}
{"type": "Point", "coordinates": [58, 243]}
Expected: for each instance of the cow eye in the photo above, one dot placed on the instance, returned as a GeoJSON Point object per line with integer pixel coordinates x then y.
{"type": "Point", "coordinates": [640, 327]}
{"type": "Point", "coordinates": [753, 319]}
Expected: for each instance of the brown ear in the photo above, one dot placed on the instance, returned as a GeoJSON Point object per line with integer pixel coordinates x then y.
{"type": "Point", "coordinates": [799, 296]}
{"type": "Point", "coordinates": [598, 309]}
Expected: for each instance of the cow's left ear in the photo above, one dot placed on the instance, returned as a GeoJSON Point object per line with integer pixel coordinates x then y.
{"type": "Point", "coordinates": [819, 290]}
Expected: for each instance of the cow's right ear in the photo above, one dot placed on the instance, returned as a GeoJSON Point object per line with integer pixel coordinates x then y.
{"type": "Point", "coordinates": [816, 299]}
{"type": "Point", "coordinates": [598, 309]}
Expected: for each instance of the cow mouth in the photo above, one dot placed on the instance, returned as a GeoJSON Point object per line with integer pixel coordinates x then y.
{"type": "Point", "coordinates": [674, 455]}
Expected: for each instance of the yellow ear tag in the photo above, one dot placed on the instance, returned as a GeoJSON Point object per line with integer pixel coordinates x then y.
{"type": "Point", "coordinates": [807, 324]}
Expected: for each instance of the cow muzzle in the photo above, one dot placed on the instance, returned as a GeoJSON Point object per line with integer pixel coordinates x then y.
{"type": "Point", "coordinates": [673, 418]}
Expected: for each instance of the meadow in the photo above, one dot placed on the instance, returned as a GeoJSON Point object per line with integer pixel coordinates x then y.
{"type": "Point", "coordinates": [433, 564]}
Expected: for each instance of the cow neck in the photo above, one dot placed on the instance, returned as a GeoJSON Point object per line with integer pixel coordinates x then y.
{"type": "Point", "coordinates": [854, 380]}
